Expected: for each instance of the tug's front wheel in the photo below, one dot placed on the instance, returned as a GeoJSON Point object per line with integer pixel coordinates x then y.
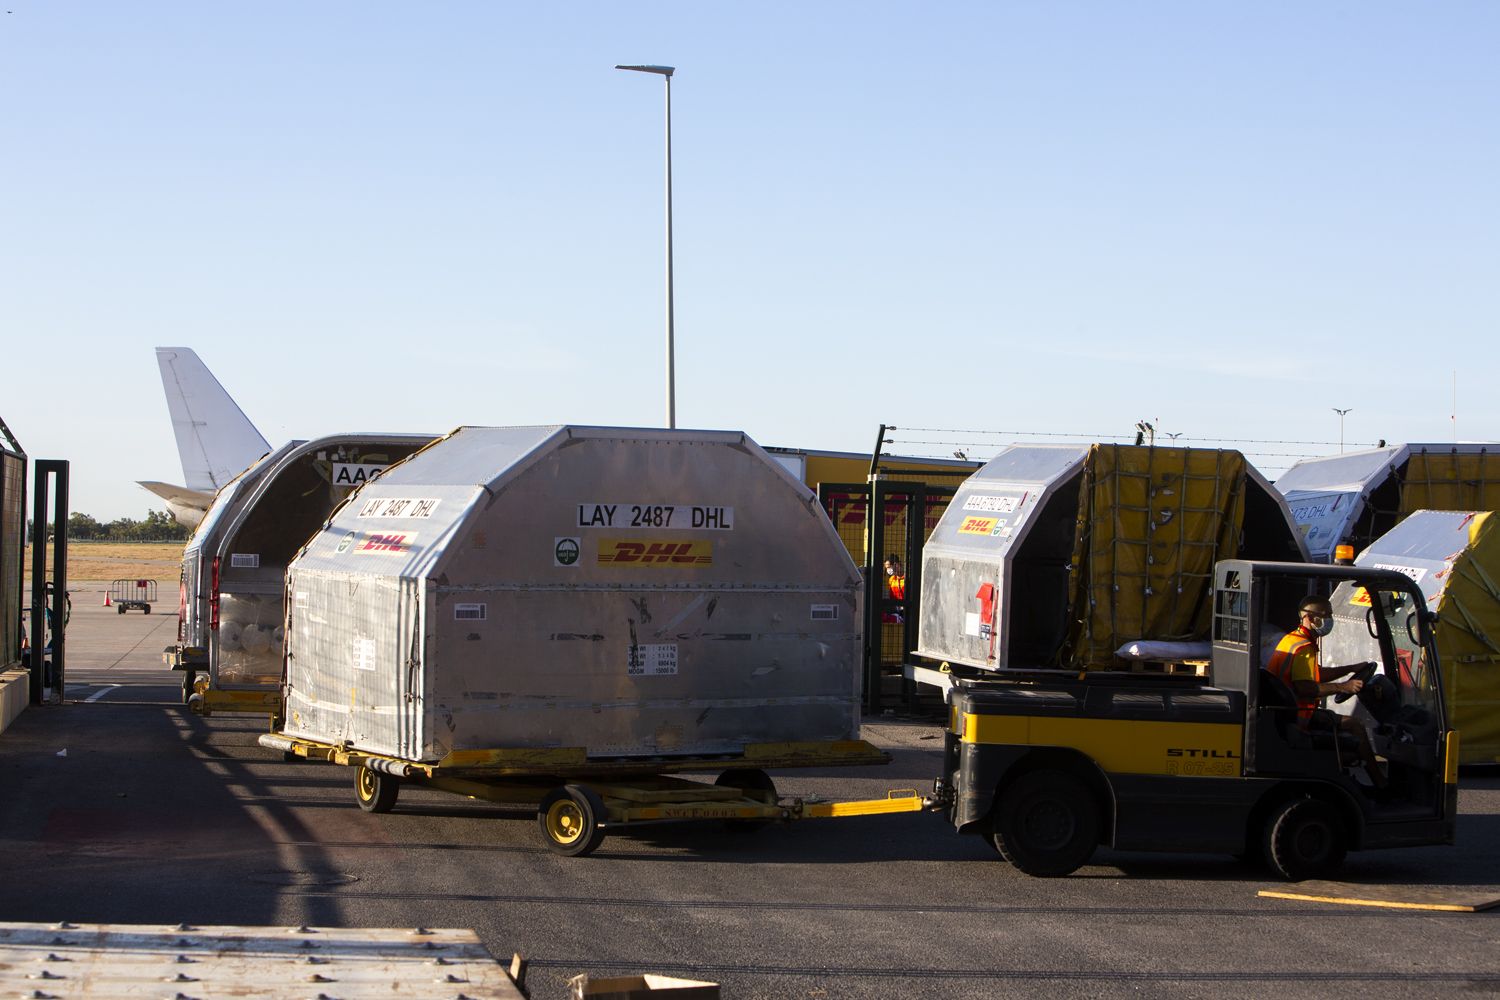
{"type": "Point", "coordinates": [1046, 823]}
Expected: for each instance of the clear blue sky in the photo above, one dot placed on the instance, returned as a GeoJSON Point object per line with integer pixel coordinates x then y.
{"type": "Point", "coordinates": [1040, 217]}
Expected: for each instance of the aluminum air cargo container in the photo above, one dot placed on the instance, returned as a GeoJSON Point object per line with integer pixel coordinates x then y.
{"type": "Point", "coordinates": [1454, 557]}
{"type": "Point", "coordinates": [1058, 555]}
{"type": "Point", "coordinates": [635, 593]}
{"type": "Point", "coordinates": [1354, 498]}
{"type": "Point", "coordinates": [233, 567]}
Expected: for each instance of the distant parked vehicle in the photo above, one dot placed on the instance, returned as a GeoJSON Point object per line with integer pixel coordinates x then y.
{"type": "Point", "coordinates": [132, 595]}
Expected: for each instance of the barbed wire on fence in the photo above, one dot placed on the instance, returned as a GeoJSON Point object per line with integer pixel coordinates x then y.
{"type": "Point", "coordinates": [972, 444]}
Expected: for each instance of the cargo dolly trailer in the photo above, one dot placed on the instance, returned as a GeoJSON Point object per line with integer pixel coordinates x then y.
{"type": "Point", "coordinates": [579, 800]}
{"type": "Point", "coordinates": [132, 595]}
{"type": "Point", "coordinates": [651, 602]}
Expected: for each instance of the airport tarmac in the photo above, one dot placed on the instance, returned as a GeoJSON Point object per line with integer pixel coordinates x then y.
{"type": "Point", "coordinates": [122, 807]}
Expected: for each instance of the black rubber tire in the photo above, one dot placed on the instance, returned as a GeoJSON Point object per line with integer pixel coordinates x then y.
{"type": "Point", "coordinates": [1305, 838]}
{"type": "Point", "coordinates": [147, 609]}
{"type": "Point", "coordinates": [119, 609]}
{"type": "Point", "coordinates": [375, 792]}
{"type": "Point", "coordinates": [188, 677]}
{"type": "Point", "coordinates": [1046, 823]}
{"type": "Point", "coordinates": [751, 780]}
{"type": "Point", "coordinates": [571, 819]}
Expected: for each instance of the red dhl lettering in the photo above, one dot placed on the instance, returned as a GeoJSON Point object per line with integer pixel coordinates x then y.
{"type": "Point", "coordinates": [384, 543]}
{"type": "Point", "coordinates": [977, 526]}
{"type": "Point", "coordinates": [619, 553]}
{"type": "Point", "coordinates": [895, 512]}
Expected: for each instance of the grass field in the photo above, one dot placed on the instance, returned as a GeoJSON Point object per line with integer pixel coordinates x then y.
{"type": "Point", "coordinates": [93, 562]}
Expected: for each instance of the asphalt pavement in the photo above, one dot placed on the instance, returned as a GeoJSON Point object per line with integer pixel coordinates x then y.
{"type": "Point", "coordinates": [120, 806]}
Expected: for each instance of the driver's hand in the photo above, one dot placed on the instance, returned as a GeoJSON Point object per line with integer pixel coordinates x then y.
{"type": "Point", "coordinates": [1352, 687]}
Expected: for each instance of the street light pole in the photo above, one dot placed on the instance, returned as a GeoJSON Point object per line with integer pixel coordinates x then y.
{"type": "Point", "coordinates": [665, 72]}
{"type": "Point", "coordinates": [1341, 414]}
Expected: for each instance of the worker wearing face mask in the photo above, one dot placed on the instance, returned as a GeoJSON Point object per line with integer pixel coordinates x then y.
{"type": "Point", "coordinates": [895, 579]}
{"type": "Point", "coordinates": [1295, 663]}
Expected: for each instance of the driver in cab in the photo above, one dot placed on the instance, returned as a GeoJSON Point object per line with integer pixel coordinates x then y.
{"type": "Point", "coordinates": [1295, 663]}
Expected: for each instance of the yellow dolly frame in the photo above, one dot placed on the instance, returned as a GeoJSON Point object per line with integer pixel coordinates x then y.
{"type": "Point", "coordinates": [578, 801]}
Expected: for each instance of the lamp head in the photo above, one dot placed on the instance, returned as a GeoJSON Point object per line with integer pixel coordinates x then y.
{"type": "Point", "coordinates": [658, 70]}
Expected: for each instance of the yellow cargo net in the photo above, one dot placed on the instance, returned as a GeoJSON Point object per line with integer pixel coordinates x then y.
{"type": "Point", "coordinates": [1448, 481]}
{"type": "Point", "coordinates": [1151, 523]}
{"type": "Point", "coordinates": [1468, 640]}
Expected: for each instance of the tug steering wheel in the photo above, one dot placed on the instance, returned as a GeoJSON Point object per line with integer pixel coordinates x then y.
{"type": "Point", "coordinates": [1363, 672]}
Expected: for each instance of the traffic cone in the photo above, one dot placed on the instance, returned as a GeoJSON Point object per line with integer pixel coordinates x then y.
{"type": "Point", "coordinates": [106, 598]}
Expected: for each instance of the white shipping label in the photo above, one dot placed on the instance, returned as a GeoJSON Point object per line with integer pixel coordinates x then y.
{"type": "Point", "coordinates": [668, 516]}
{"type": "Point", "coordinates": [348, 474]}
{"type": "Point", "coordinates": [971, 623]}
{"type": "Point", "coordinates": [364, 653]}
{"type": "Point", "coordinates": [652, 660]}
{"type": "Point", "coordinates": [244, 560]}
{"type": "Point", "coordinates": [398, 507]}
{"type": "Point", "coordinates": [991, 504]}
{"type": "Point", "coordinates": [1415, 572]}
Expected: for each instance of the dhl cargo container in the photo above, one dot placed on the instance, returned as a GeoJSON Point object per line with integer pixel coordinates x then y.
{"type": "Point", "coordinates": [1454, 557]}
{"type": "Point", "coordinates": [231, 602]}
{"type": "Point", "coordinates": [617, 593]}
{"type": "Point", "coordinates": [1354, 498]}
{"type": "Point", "coordinates": [1063, 555]}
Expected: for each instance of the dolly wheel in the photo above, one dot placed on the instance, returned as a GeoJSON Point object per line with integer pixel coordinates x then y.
{"type": "Point", "coordinates": [1046, 823]}
{"type": "Point", "coordinates": [375, 792]}
{"type": "Point", "coordinates": [752, 781]}
{"type": "Point", "coordinates": [1305, 839]}
{"type": "Point", "coordinates": [570, 818]}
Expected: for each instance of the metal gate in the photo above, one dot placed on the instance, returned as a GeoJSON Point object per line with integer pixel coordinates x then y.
{"type": "Point", "coordinates": [905, 512]}
{"type": "Point", "coordinates": [12, 545]}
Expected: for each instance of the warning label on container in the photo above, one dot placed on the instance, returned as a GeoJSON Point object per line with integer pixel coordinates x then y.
{"type": "Point", "coordinates": [364, 653]}
{"type": "Point", "coordinates": [244, 560]}
{"type": "Point", "coordinates": [825, 612]}
{"type": "Point", "coordinates": [627, 552]}
{"type": "Point", "coordinates": [993, 504]}
{"type": "Point", "coordinates": [652, 659]}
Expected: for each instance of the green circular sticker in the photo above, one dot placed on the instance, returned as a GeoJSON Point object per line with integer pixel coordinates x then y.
{"type": "Point", "coordinates": [566, 552]}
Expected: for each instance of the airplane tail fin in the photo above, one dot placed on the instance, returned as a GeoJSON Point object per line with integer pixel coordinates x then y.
{"type": "Point", "coordinates": [215, 439]}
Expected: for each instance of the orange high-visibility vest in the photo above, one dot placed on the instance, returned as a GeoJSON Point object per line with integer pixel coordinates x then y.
{"type": "Point", "coordinates": [1292, 645]}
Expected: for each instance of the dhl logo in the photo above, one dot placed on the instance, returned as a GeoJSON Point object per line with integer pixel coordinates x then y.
{"type": "Point", "coordinates": [618, 552]}
{"type": "Point", "coordinates": [1361, 598]}
{"type": "Point", "coordinates": [387, 542]}
{"type": "Point", "coordinates": [852, 511]}
{"type": "Point", "coordinates": [977, 526]}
